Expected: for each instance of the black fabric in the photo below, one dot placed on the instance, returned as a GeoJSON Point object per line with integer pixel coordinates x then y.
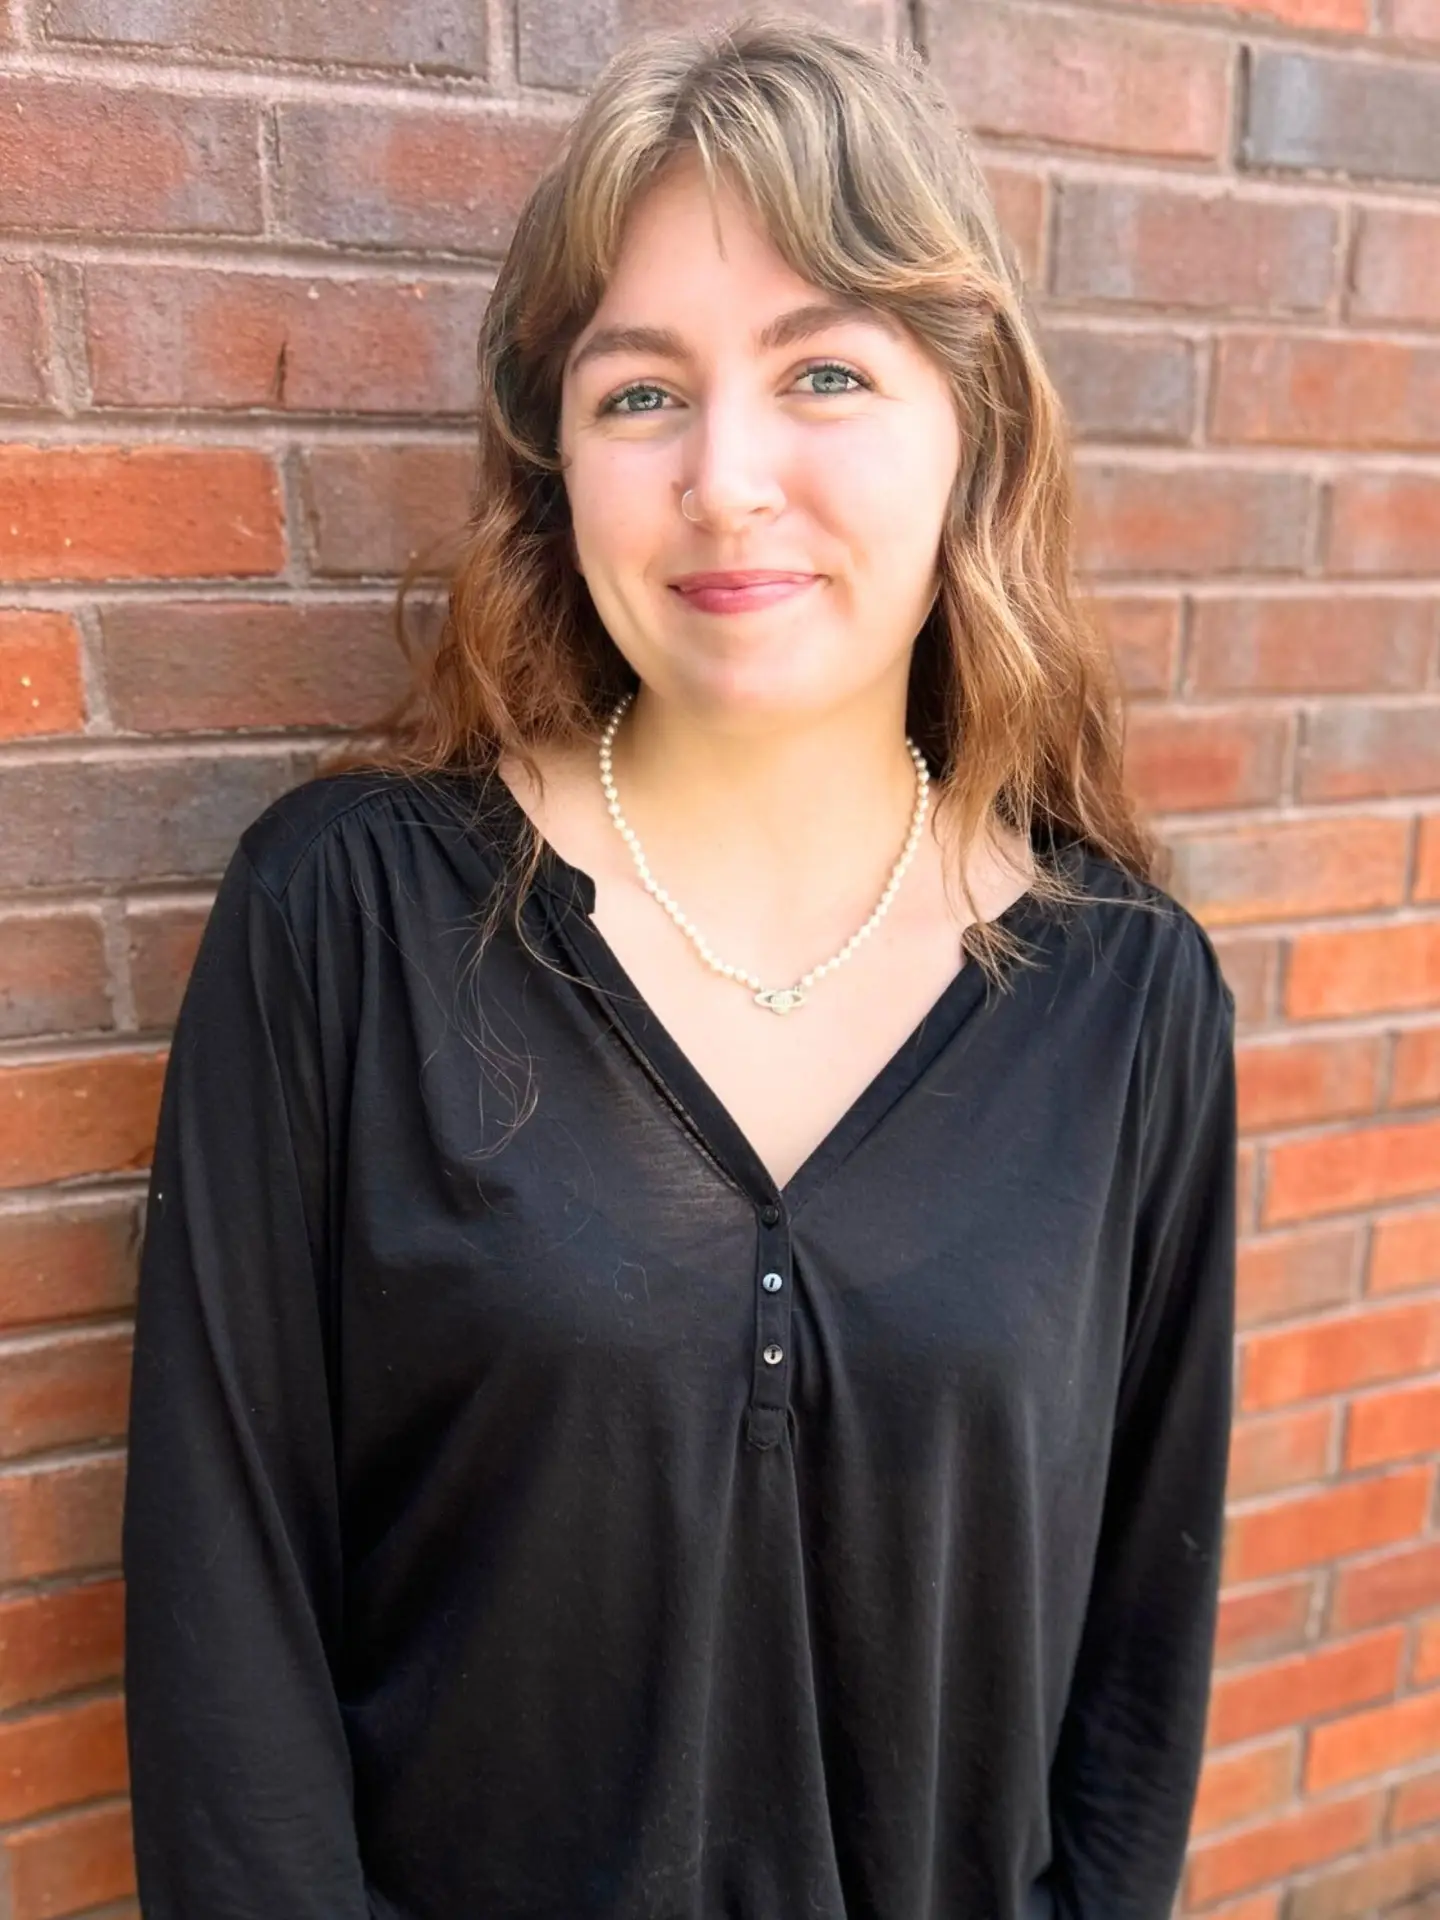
{"type": "Point", "coordinates": [480, 1565]}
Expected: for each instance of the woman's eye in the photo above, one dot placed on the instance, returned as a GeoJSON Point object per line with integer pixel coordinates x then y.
{"type": "Point", "coordinates": [651, 399]}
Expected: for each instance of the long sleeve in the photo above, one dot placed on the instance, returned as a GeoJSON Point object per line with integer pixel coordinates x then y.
{"type": "Point", "coordinates": [1127, 1768]}
{"type": "Point", "coordinates": [241, 1774]}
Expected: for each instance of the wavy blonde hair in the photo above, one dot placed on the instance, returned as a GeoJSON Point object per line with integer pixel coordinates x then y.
{"type": "Point", "coordinates": [865, 184]}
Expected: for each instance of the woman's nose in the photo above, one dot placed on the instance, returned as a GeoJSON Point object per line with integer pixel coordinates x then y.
{"type": "Point", "coordinates": [733, 472]}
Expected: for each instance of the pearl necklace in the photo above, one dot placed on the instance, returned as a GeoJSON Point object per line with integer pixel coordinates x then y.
{"type": "Point", "coordinates": [776, 999]}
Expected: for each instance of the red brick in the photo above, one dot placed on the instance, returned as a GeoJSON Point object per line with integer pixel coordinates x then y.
{"type": "Point", "coordinates": [1427, 860]}
{"type": "Point", "coordinates": [1363, 970]}
{"type": "Point", "coordinates": [1284, 390]}
{"type": "Point", "coordinates": [1275, 872]}
{"type": "Point", "coordinates": [1020, 201]}
{"type": "Point", "coordinates": [67, 1117]}
{"type": "Point", "coordinates": [1306, 1530]}
{"type": "Point", "coordinates": [1250, 967]}
{"type": "Point", "coordinates": [1123, 385]}
{"type": "Point", "coordinates": [1143, 633]}
{"type": "Point", "coordinates": [65, 1265]}
{"type": "Point", "coordinates": [60, 1389]}
{"type": "Point", "coordinates": [1310, 644]}
{"type": "Point", "coordinates": [561, 47]}
{"type": "Point", "coordinates": [170, 818]}
{"type": "Point", "coordinates": [1257, 1623]}
{"type": "Point", "coordinates": [1364, 1886]}
{"type": "Point", "coordinates": [1207, 251]}
{"type": "Point", "coordinates": [1286, 1082]}
{"type": "Point", "coordinates": [1287, 1450]}
{"type": "Point", "coordinates": [1375, 119]}
{"type": "Point", "coordinates": [1425, 1659]}
{"type": "Point", "coordinates": [134, 513]}
{"type": "Point", "coordinates": [1396, 273]}
{"type": "Point", "coordinates": [1239, 1786]}
{"type": "Point", "coordinates": [1259, 1906]}
{"type": "Point", "coordinates": [1338, 1355]}
{"type": "Point", "coordinates": [1176, 759]}
{"type": "Point", "coordinates": [1122, 86]}
{"type": "Point", "coordinates": [1415, 1076]}
{"type": "Point", "coordinates": [22, 352]}
{"type": "Point", "coordinates": [59, 1641]}
{"type": "Point", "coordinates": [1321, 1680]}
{"type": "Point", "coordinates": [441, 176]}
{"type": "Point", "coordinates": [1192, 520]}
{"type": "Point", "coordinates": [163, 936]}
{"type": "Point", "coordinates": [1286, 1274]}
{"type": "Point", "coordinates": [1320, 16]}
{"type": "Point", "coordinates": [61, 1519]}
{"type": "Point", "coordinates": [40, 690]}
{"type": "Point", "coordinates": [1415, 1803]}
{"type": "Point", "coordinates": [372, 510]}
{"type": "Point", "coordinates": [53, 976]}
{"type": "Point", "coordinates": [1388, 1586]}
{"type": "Point", "coordinates": [101, 158]}
{"type": "Point", "coordinates": [60, 1866]}
{"type": "Point", "coordinates": [1405, 1251]}
{"type": "Point", "coordinates": [184, 665]}
{"type": "Point", "coordinates": [1279, 1848]}
{"type": "Point", "coordinates": [1392, 1426]}
{"type": "Point", "coordinates": [429, 35]}
{"type": "Point", "coordinates": [1356, 1168]}
{"type": "Point", "coordinates": [57, 1758]}
{"type": "Point", "coordinates": [1384, 523]}
{"type": "Point", "coordinates": [1373, 1742]}
{"type": "Point", "coordinates": [178, 337]}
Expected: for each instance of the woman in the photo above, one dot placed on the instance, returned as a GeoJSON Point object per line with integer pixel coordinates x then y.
{"type": "Point", "coordinates": [683, 1353]}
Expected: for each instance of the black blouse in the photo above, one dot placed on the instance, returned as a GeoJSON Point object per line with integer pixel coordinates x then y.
{"type": "Point", "coordinates": [535, 1513]}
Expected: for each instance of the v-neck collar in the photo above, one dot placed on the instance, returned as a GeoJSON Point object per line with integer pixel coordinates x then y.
{"type": "Point", "coordinates": [570, 896]}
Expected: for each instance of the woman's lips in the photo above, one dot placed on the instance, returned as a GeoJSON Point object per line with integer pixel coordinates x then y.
{"type": "Point", "coordinates": [743, 596]}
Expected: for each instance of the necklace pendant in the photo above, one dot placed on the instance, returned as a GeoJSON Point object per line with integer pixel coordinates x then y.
{"type": "Point", "coordinates": [780, 999]}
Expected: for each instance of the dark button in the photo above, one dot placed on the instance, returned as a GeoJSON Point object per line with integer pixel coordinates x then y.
{"type": "Point", "coordinates": [772, 1283]}
{"type": "Point", "coordinates": [769, 1215]}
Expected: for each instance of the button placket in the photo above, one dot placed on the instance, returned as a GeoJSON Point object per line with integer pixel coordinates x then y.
{"type": "Point", "coordinates": [774, 1289]}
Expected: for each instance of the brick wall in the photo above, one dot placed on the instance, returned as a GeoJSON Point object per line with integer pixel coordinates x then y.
{"type": "Point", "coordinates": [242, 263]}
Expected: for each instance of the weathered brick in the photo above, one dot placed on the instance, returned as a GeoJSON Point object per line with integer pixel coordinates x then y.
{"type": "Point", "coordinates": [1396, 274]}
{"type": "Point", "coordinates": [22, 351]}
{"type": "Point", "coordinates": [1020, 201]}
{"type": "Point", "coordinates": [1288, 1082]}
{"type": "Point", "coordinates": [53, 976]}
{"type": "Point", "coordinates": [1123, 386]}
{"type": "Point", "coordinates": [437, 177]}
{"type": "Point", "coordinates": [1384, 523]}
{"type": "Point", "coordinates": [1286, 390]}
{"type": "Point", "coordinates": [1405, 1251]}
{"type": "Point", "coordinates": [1176, 759]}
{"type": "Point", "coordinates": [63, 1519]}
{"type": "Point", "coordinates": [1322, 1680]}
{"type": "Point", "coordinates": [1277, 1849]}
{"type": "Point", "coordinates": [430, 35]}
{"type": "Point", "coordinates": [1378, 120]}
{"type": "Point", "coordinates": [1415, 20]}
{"type": "Point", "coordinates": [1309, 643]}
{"type": "Point", "coordinates": [1364, 1886]}
{"type": "Point", "coordinates": [62, 1756]}
{"type": "Point", "coordinates": [1123, 86]}
{"type": "Point", "coordinates": [372, 510]}
{"type": "Point", "coordinates": [1320, 16]}
{"type": "Point", "coordinates": [163, 937]}
{"type": "Point", "coordinates": [59, 1390]}
{"type": "Point", "coordinates": [1289, 868]}
{"type": "Point", "coordinates": [1355, 751]}
{"type": "Point", "coordinates": [130, 818]}
{"type": "Point", "coordinates": [1337, 1355]}
{"type": "Point", "coordinates": [67, 1264]}
{"type": "Point", "coordinates": [59, 1641]}
{"type": "Point", "coordinates": [87, 157]}
{"type": "Point", "coordinates": [1415, 1803]}
{"type": "Point", "coordinates": [183, 337]}
{"type": "Point", "coordinates": [1350, 970]}
{"type": "Point", "coordinates": [1236, 1787]}
{"type": "Point", "coordinates": [1415, 1075]}
{"type": "Point", "coordinates": [1386, 1586]}
{"type": "Point", "coordinates": [1176, 247]}
{"type": "Point", "coordinates": [1192, 520]}
{"type": "Point", "coordinates": [80, 1860]}
{"type": "Point", "coordinates": [1286, 1274]}
{"type": "Point", "coordinates": [1309, 1529]}
{"type": "Point", "coordinates": [566, 47]}
{"type": "Point", "coordinates": [67, 1117]}
{"type": "Point", "coordinates": [182, 665]}
{"type": "Point", "coordinates": [1259, 1623]}
{"type": "Point", "coordinates": [127, 513]}
{"type": "Point", "coordinates": [1402, 1424]}
{"type": "Point", "coordinates": [1286, 1450]}
{"type": "Point", "coordinates": [1250, 966]}
{"type": "Point", "coordinates": [1143, 633]}
{"type": "Point", "coordinates": [1338, 1172]}
{"type": "Point", "coordinates": [40, 686]}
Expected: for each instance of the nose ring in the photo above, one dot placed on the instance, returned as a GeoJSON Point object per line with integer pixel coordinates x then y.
{"type": "Point", "coordinates": [688, 515]}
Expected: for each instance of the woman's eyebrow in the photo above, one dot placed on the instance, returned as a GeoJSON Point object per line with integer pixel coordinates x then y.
{"type": "Point", "coordinates": [783, 331]}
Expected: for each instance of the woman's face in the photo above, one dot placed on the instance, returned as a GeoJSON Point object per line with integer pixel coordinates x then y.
{"type": "Point", "coordinates": [822, 446]}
